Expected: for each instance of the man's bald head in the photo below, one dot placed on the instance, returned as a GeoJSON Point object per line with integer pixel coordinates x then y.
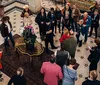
{"type": "Point", "coordinates": [85, 14]}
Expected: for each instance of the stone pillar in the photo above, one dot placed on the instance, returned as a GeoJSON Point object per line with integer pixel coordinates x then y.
{"type": "Point", "coordinates": [1, 10]}
{"type": "Point", "coordinates": [35, 5]}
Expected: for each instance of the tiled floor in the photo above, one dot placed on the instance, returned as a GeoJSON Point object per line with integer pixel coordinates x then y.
{"type": "Point", "coordinates": [81, 53]}
{"type": "Point", "coordinates": [5, 79]}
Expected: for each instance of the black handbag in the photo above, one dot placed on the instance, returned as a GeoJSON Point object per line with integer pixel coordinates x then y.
{"type": "Point", "coordinates": [76, 66]}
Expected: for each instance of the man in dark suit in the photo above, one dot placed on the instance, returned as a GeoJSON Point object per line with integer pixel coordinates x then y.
{"type": "Point", "coordinates": [52, 18]}
{"type": "Point", "coordinates": [49, 36]}
{"type": "Point", "coordinates": [6, 29]}
{"type": "Point", "coordinates": [95, 23]}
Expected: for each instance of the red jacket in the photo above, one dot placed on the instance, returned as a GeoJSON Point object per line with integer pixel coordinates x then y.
{"type": "Point", "coordinates": [0, 60]}
{"type": "Point", "coordinates": [64, 37]}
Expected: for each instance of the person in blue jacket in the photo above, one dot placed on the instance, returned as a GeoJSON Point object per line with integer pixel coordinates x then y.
{"type": "Point", "coordinates": [86, 25]}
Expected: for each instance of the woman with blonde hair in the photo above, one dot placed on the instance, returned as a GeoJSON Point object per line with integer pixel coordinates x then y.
{"type": "Point", "coordinates": [19, 78]}
{"type": "Point", "coordinates": [92, 80]}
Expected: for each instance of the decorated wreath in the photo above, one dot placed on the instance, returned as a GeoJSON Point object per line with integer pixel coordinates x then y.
{"type": "Point", "coordinates": [29, 37]}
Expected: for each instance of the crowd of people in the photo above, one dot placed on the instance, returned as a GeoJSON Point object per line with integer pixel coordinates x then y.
{"type": "Point", "coordinates": [69, 18]}
{"type": "Point", "coordinates": [62, 67]}
{"type": "Point", "coordinates": [74, 29]}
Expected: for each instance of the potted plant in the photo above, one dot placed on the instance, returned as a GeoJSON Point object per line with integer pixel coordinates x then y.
{"type": "Point", "coordinates": [29, 38]}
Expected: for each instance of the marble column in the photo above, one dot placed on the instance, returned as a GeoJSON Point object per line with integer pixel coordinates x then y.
{"type": "Point", "coordinates": [35, 5]}
{"type": "Point", "coordinates": [1, 10]}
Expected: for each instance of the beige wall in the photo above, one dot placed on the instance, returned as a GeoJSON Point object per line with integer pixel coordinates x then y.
{"type": "Point", "coordinates": [35, 5]}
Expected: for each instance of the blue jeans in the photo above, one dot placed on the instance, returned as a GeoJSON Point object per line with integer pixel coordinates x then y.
{"type": "Point", "coordinates": [86, 33]}
{"type": "Point", "coordinates": [6, 43]}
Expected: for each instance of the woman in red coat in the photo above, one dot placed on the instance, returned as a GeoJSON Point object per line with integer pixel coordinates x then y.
{"type": "Point", "coordinates": [65, 35]}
